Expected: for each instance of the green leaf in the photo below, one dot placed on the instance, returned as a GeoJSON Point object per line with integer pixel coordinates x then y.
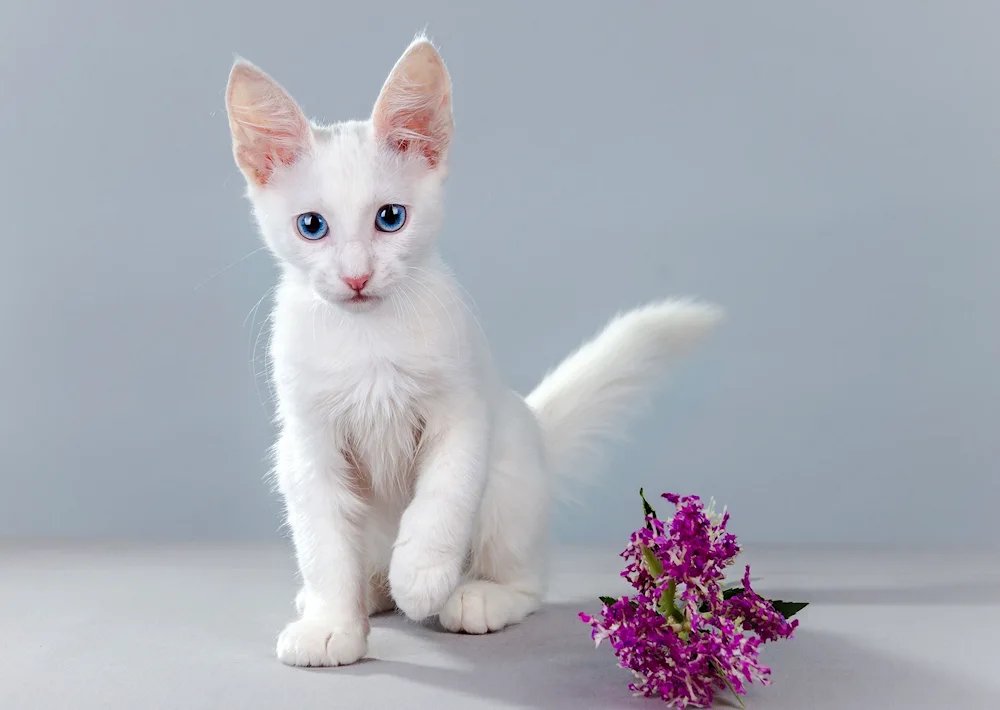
{"type": "Point", "coordinates": [647, 509]}
{"type": "Point", "coordinates": [733, 584]}
{"type": "Point", "coordinates": [653, 563]}
{"type": "Point", "coordinates": [788, 609]}
{"type": "Point", "coordinates": [726, 594]}
{"type": "Point", "coordinates": [614, 600]}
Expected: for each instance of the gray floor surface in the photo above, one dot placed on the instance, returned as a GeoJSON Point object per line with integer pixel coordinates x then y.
{"type": "Point", "coordinates": [191, 627]}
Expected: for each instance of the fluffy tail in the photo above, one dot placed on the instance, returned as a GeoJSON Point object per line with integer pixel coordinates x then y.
{"type": "Point", "coordinates": [587, 397]}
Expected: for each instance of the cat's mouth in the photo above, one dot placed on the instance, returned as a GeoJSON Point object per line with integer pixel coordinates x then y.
{"type": "Point", "coordinates": [360, 300]}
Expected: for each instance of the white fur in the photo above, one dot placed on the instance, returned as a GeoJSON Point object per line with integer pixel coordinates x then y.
{"type": "Point", "coordinates": [411, 474]}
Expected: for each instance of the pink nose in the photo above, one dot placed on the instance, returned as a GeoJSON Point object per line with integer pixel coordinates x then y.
{"type": "Point", "coordinates": [357, 282]}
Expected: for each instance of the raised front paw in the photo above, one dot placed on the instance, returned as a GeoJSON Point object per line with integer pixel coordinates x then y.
{"type": "Point", "coordinates": [312, 642]}
{"type": "Point", "coordinates": [479, 607]}
{"type": "Point", "coordinates": [421, 583]}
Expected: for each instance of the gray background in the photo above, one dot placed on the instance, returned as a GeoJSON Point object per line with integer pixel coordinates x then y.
{"type": "Point", "coordinates": [826, 170]}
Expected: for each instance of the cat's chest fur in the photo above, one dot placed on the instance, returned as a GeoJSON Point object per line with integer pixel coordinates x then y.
{"type": "Point", "coordinates": [367, 389]}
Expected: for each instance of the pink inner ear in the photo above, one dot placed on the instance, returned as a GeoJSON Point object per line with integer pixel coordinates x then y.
{"type": "Point", "coordinates": [264, 150]}
{"type": "Point", "coordinates": [261, 148]}
{"type": "Point", "coordinates": [425, 130]}
{"type": "Point", "coordinates": [269, 129]}
{"type": "Point", "coordinates": [261, 163]}
{"type": "Point", "coordinates": [417, 125]}
{"type": "Point", "coordinates": [413, 111]}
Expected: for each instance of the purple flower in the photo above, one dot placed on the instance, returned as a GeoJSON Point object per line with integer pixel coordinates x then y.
{"type": "Point", "coordinates": [683, 663]}
{"type": "Point", "coordinates": [692, 548]}
{"type": "Point", "coordinates": [682, 640]}
{"type": "Point", "coordinates": [754, 613]}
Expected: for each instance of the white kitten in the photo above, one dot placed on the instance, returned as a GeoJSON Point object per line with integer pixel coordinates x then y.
{"type": "Point", "coordinates": [411, 475]}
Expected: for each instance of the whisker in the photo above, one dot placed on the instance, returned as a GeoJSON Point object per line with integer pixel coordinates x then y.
{"type": "Point", "coordinates": [253, 311]}
{"type": "Point", "coordinates": [268, 362]}
{"type": "Point", "coordinates": [448, 283]}
{"type": "Point", "coordinates": [312, 320]}
{"type": "Point", "coordinates": [397, 311]}
{"type": "Point", "coordinates": [227, 268]}
{"type": "Point", "coordinates": [416, 312]}
{"type": "Point", "coordinates": [253, 359]}
{"type": "Point", "coordinates": [447, 312]}
{"type": "Point", "coordinates": [458, 297]}
{"type": "Point", "coordinates": [253, 342]}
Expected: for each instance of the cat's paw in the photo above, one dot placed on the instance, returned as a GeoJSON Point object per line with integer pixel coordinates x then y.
{"type": "Point", "coordinates": [420, 586]}
{"type": "Point", "coordinates": [479, 607]}
{"type": "Point", "coordinates": [312, 642]}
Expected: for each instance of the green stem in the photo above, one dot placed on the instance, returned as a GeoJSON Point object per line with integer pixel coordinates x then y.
{"type": "Point", "coordinates": [729, 685]}
{"type": "Point", "coordinates": [675, 613]}
{"type": "Point", "coordinates": [652, 563]}
{"type": "Point", "coordinates": [666, 604]}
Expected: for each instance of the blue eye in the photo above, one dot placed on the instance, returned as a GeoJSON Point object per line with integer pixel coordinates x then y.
{"type": "Point", "coordinates": [390, 218]}
{"type": "Point", "coordinates": [312, 225]}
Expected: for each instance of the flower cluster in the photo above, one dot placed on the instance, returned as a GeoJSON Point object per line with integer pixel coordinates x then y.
{"type": "Point", "coordinates": [682, 635]}
{"type": "Point", "coordinates": [758, 615]}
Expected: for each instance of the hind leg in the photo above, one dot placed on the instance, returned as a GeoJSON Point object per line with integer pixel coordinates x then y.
{"type": "Point", "coordinates": [506, 580]}
{"type": "Point", "coordinates": [379, 596]}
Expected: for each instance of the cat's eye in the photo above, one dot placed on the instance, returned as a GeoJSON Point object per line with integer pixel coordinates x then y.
{"type": "Point", "coordinates": [312, 226]}
{"type": "Point", "coordinates": [390, 218]}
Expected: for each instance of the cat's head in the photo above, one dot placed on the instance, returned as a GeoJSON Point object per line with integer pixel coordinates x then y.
{"type": "Point", "coordinates": [348, 208]}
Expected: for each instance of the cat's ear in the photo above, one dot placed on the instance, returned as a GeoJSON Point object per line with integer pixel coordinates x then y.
{"type": "Point", "coordinates": [268, 127]}
{"type": "Point", "coordinates": [413, 111]}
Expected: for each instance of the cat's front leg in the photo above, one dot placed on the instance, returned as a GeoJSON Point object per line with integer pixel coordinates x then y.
{"type": "Point", "coordinates": [325, 518]}
{"type": "Point", "coordinates": [436, 528]}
